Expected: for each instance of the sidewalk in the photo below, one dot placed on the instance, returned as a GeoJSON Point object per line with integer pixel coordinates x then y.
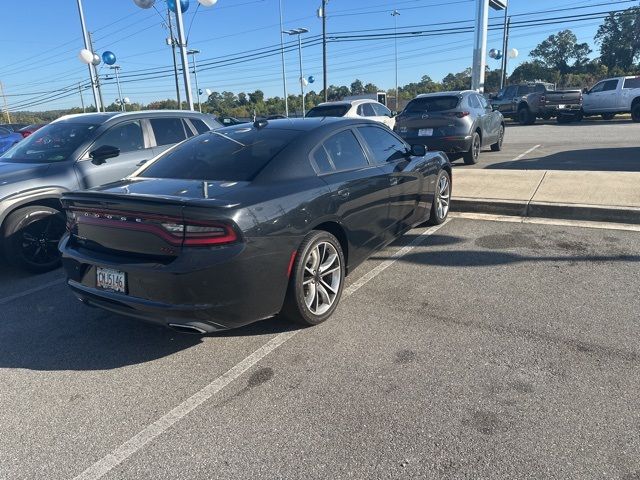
{"type": "Point", "coordinates": [575, 195]}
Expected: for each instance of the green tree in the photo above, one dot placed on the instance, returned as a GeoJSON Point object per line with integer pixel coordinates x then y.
{"type": "Point", "coordinates": [357, 88]}
{"type": "Point", "coordinates": [619, 39]}
{"type": "Point", "coordinates": [559, 50]}
{"type": "Point", "coordinates": [531, 71]}
{"type": "Point", "coordinates": [371, 88]}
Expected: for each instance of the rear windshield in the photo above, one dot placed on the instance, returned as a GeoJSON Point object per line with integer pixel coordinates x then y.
{"type": "Point", "coordinates": [235, 154]}
{"type": "Point", "coordinates": [432, 104]}
{"type": "Point", "coordinates": [328, 111]}
{"type": "Point", "coordinates": [632, 82]}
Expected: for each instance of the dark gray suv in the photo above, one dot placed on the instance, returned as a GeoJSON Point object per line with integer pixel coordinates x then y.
{"type": "Point", "coordinates": [76, 152]}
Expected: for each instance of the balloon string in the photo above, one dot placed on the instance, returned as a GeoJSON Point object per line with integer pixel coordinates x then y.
{"type": "Point", "coordinates": [191, 24]}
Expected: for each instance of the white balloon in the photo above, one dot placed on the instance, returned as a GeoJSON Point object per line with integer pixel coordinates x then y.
{"type": "Point", "coordinates": [144, 3]}
{"type": "Point", "coordinates": [96, 59]}
{"type": "Point", "coordinates": [126, 100]}
{"type": "Point", "coordinates": [304, 82]}
{"type": "Point", "coordinates": [208, 3]}
{"type": "Point", "coordinates": [86, 56]}
{"type": "Point", "coordinates": [513, 53]}
{"type": "Point", "coordinates": [208, 92]}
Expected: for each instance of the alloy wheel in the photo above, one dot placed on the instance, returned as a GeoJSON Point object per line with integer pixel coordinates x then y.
{"type": "Point", "coordinates": [39, 241]}
{"type": "Point", "coordinates": [443, 197]}
{"type": "Point", "coordinates": [476, 147]}
{"type": "Point", "coordinates": [322, 278]}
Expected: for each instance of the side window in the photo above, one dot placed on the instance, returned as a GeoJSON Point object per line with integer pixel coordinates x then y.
{"type": "Point", "coordinates": [510, 92]}
{"type": "Point", "coordinates": [368, 110]}
{"type": "Point", "coordinates": [384, 145]}
{"type": "Point", "coordinates": [474, 102]}
{"type": "Point", "coordinates": [199, 125]}
{"type": "Point", "coordinates": [610, 85]}
{"type": "Point", "coordinates": [483, 102]}
{"type": "Point", "coordinates": [597, 87]}
{"type": "Point", "coordinates": [127, 137]}
{"type": "Point", "coordinates": [381, 110]}
{"type": "Point", "coordinates": [361, 110]}
{"type": "Point", "coordinates": [322, 161]}
{"type": "Point", "coordinates": [168, 130]}
{"type": "Point", "coordinates": [632, 82]}
{"type": "Point", "coordinates": [540, 89]}
{"type": "Point", "coordinates": [524, 90]}
{"type": "Point", "coordinates": [345, 151]}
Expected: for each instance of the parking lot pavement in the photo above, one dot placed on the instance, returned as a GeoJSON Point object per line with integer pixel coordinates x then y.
{"type": "Point", "coordinates": [485, 350]}
{"type": "Point", "coordinates": [594, 145]}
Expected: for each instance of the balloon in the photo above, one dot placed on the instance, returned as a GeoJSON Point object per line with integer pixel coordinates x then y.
{"type": "Point", "coordinates": [208, 92]}
{"type": "Point", "coordinates": [144, 3]}
{"type": "Point", "coordinates": [304, 82]}
{"type": "Point", "coordinates": [126, 100]}
{"type": "Point", "coordinates": [499, 55]}
{"type": "Point", "coordinates": [86, 56]}
{"type": "Point", "coordinates": [184, 5]}
{"type": "Point", "coordinates": [96, 59]}
{"type": "Point", "coordinates": [109, 57]}
{"type": "Point", "coordinates": [495, 53]}
{"type": "Point", "coordinates": [513, 53]}
{"type": "Point", "coordinates": [208, 3]}
{"type": "Point", "coordinates": [312, 79]}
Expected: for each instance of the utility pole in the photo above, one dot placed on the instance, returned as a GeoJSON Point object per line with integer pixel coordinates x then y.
{"type": "Point", "coordinates": [87, 45]}
{"type": "Point", "coordinates": [395, 14]}
{"type": "Point", "coordinates": [4, 101]}
{"type": "Point", "coordinates": [480, 41]}
{"type": "Point", "coordinates": [301, 73]}
{"type": "Point", "coordinates": [284, 72]}
{"type": "Point", "coordinates": [116, 68]}
{"type": "Point", "coordinates": [172, 39]}
{"type": "Point", "coordinates": [505, 58]}
{"type": "Point", "coordinates": [193, 54]}
{"type": "Point", "coordinates": [81, 97]}
{"type": "Point", "coordinates": [324, 49]}
{"type": "Point", "coordinates": [97, 76]}
{"type": "Point", "coordinates": [182, 43]}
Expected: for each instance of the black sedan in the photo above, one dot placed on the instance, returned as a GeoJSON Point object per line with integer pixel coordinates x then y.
{"type": "Point", "coordinates": [457, 123]}
{"type": "Point", "coordinates": [245, 222]}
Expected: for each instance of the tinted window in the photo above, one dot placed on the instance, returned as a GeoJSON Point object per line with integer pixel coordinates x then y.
{"type": "Point", "coordinates": [232, 154]}
{"type": "Point", "coordinates": [322, 161]}
{"type": "Point", "coordinates": [367, 110]}
{"type": "Point", "coordinates": [168, 130]}
{"type": "Point", "coordinates": [328, 111]}
{"type": "Point", "coordinates": [52, 143]}
{"type": "Point", "coordinates": [597, 87]}
{"type": "Point", "coordinates": [432, 104]}
{"type": "Point", "coordinates": [381, 110]}
{"type": "Point", "coordinates": [126, 136]}
{"type": "Point", "coordinates": [199, 125]}
{"type": "Point", "coordinates": [632, 82]}
{"type": "Point", "coordinates": [610, 85]}
{"type": "Point", "coordinates": [540, 89]}
{"type": "Point", "coordinates": [524, 90]}
{"type": "Point", "coordinates": [510, 92]}
{"type": "Point", "coordinates": [344, 151]}
{"type": "Point", "coordinates": [384, 145]}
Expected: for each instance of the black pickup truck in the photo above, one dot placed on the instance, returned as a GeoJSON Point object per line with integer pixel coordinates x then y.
{"type": "Point", "coordinates": [527, 101]}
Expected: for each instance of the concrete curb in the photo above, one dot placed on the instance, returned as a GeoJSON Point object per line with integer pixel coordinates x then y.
{"type": "Point", "coordinates": [565, 211]}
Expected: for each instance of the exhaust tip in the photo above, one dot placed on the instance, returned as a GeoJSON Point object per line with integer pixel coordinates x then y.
{"type": "Point", "coordinates": [182, 328]}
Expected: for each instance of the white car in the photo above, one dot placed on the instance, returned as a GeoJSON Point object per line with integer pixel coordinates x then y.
{"type": "Point", "coordinates": [612, 96]}
{"type": "Point", "coordinates": [355, 109]}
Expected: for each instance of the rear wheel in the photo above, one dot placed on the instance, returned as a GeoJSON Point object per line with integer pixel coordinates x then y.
{"type": "Point", "coordinates": [525, 117]}
{"type": "Point", "coordinates": [31, 237]}
{"type": "Point", "coordinates": [496, 147]}
{"type": "Point", "coordinates": [441, 199]}
{"type": "Point", "coordinates": [608, 116]}
{"type": "Point", "coordinates": [317, 280]}
{"type": "Point", "coordinates": [635, 112]}
{"type": "Point", "coordinates": [471, 156]}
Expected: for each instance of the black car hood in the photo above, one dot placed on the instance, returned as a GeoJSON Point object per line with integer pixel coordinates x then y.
{"type": "Point", "coordinates": [14, 172]}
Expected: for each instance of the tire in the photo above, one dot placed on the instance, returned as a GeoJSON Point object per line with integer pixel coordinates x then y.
{"type": "Point", "coordinates": [303, 294]}
{"type": "Point", "coordinates": [546, 117]}
{"type": "Point", "coordinates": [563, 119]}
{"type": "Point", "coordinates": [31, 237]}
{"type": "Point", "coordinates": [635, 112]}
{"type": "Point", "coordinates": [608, 116]}
{"type": "Point", "coordinates": [525, 117]}
{"type": "Point", "coordinates": [441, 200]}
{"type": "Point", "coordinates": [496, 147]}
{"type": "Point", "coordinates": [471, 156]}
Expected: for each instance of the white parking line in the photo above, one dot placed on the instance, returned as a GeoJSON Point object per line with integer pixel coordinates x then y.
{"type": "Point", "coordinates": [526, 153]}
{"type": "Point", "coordinates": [149, 433]}
{"type": "Point", "coordinates": [11, 298]}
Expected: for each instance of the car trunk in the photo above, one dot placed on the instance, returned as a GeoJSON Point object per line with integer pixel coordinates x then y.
{"type": "Point", "coordinates": [563, 97]}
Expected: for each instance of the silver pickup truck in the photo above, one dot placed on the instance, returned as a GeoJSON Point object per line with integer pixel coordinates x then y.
{"type": "Point", "coordinates": [612, 96]}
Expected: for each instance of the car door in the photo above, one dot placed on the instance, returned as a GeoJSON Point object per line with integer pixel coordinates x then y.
{"type": "Point", "coordinates": [608, 97]}
{"type": "Point", "coordinates": [359, 191]}
{"type": "Point", "coordinates": [383, 115]}
{"type": "Point", "coordinates": [134, 146]}
{"type": "Point", "coordinates": [592, 101]}
{"type": "Point", "coordinates": [390, 153]}
{"type": "Point", "coordinates": [491, 119]}
{"type": "Point", "coordinates": [508, 103]}
{"type": "Point", "coordinates": [167, 131]}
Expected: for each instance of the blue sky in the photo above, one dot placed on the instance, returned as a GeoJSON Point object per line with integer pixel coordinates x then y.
{"type": "Point", "coordinates": [40, 43]}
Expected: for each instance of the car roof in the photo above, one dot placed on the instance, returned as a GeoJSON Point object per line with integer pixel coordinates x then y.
{"type": "Point", "coordinates": [443, 94]}
{"type": "Point", "coordinates": [306, 124]}
{"type": "Point", "coordinates": [103, 117]}
{"type": "Point", "coordinates": [358, 101]}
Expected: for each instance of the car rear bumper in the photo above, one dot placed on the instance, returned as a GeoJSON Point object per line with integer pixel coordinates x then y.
{"type": "Point", "coordinates": [450, 144]}
{"type": "Point", "coordinates": [208, 291]}
{"type": "Point", "coordinates": [556, 110]}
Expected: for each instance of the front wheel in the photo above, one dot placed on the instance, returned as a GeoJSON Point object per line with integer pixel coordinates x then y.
{"type": "Point", "coordinates": [317, 280]}
{"type": "Point", "coordinates": [441, 199]}
{"type": "Point", "coordinates": [525, 117]}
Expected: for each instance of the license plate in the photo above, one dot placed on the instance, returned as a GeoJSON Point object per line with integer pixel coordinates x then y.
{"type": "Point", "coordinates": [562, 106]}
{"type": "Point", "coordinates": [425, 132]}
{"type": "Point", "coordinates": [110, 279]}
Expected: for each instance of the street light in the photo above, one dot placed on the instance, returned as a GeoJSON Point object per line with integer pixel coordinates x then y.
{"type": "Point", "coordinates": [193, 54]}
{"type": "Point", "coordinates": [395, 14]}
{"type": "Point", "coordinates": [299, 32]}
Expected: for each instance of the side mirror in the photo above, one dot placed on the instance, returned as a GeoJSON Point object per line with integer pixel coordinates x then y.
{"type": "Point", "coordinates": [100, 154]}
{"type": "Point", "coordinates": [418, 150]}
{"type": "Point", "coordinates": [585, 90]}
{"type": "Point", "coordinates": [393, 113]}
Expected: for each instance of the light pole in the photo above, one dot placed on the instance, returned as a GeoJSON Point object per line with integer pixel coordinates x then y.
{"type": "Point", "coordinates": [193, 54]}
{"type": "Point", "coordinates": [284, 72]}
{"type": "Point", "coordinates": [172, 41]}
{"type": "Point", "coordinates": [324, 49]}
{"type": "Point", "coordinates": [480, 41]}
{"type": "Point", "coordinates": [395, 14]}
{"type": "Point", "coordinates": [116, 69]}
{"type": "Point", "coordinates": [87, 46]}
{"type": "Point", "coordinates": [182, 43]}
{"type": "Point", "coordinates": [298, 32]}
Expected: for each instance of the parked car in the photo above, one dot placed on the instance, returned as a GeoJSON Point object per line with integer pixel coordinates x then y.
{"type": "Point", "coordinates": [242, 223]}
{"type": "Point", "coordinates": [528, 101]}
{"type": "Point", "coordinates": [8, 138]}
{"type": "Point", "coordinates": [361, 108]}
{"type": "Point", "coordinates": [75, 152]}
{"type": "Point", "coordinates": [612, 96]}
{"type": "Point", "coordinates": [29, 129]}
{"type": "Point", "coordinates": [457, 123]}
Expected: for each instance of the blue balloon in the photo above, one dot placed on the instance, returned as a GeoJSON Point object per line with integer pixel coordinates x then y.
{"type": "Point", "coordinates": [109, 57]}
{"type": "Point", "coordinates": [311, 79]}
{"type": "Point", "coordinates": [184, 5]}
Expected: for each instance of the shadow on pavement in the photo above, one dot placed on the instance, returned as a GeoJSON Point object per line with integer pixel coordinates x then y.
{"type": "Point", "coordinates": [624, 159]}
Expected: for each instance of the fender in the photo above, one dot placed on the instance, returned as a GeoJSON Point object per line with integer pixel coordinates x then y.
{"type": "Point", "coordinates": [26, 197]}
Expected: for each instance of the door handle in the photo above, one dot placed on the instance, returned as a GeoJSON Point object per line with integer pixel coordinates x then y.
{"type": "Point", "coordinates": [394, 181]}
{"type": "Point", "coordinates": [344, 193]}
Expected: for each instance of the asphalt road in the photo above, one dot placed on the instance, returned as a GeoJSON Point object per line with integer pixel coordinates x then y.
{"type": "Point", "coordinates": [485, 350]}
{"type": "Point", "coordinates": [592, 144]}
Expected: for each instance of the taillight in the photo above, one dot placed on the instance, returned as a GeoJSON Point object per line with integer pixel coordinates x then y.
{"type": "Point", "coordinates": [25, 134]}
{"type": "Point", "coordinates": [202, 234]}
{"type": "Point", "coordinates": [458, 114]}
